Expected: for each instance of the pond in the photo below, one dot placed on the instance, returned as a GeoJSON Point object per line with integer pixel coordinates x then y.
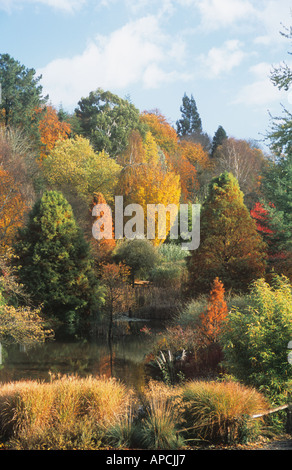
{"type": "Point", "coordinates": [122, 359]}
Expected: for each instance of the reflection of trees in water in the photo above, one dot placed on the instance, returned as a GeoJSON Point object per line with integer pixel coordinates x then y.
{"type": "Point", "coordinates": [123, 359]}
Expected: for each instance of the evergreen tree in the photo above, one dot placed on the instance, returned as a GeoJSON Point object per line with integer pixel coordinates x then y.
{"type": "Point", "coordinates": [218, 139]}
{"type": "Point", "coordinates": [21, 92]}
{"type": "Point", "coordinates": [230, 245]}
{"type": "Point", "coordinates": [190, 122]}
{"type": "Point", "coordinates": [54, 262]}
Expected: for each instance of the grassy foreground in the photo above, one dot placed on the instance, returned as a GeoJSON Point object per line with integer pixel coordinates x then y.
{"type": "Point", "coordinates": [100, 413]}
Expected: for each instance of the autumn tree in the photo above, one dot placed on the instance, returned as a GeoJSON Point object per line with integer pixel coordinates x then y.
{"type": "Point", "coordinates": [182, 157]}
{"type": "Point", "coordinates": [216, 312]}
{"type": "Point", "coordinates": [51, 129]}
{"type": "Point", "coordinates": [244, 161]}
{"type": "Point", "coordinates": [74, 166]}
{"type": "Point", "coordinates": [163, 133]}
{"type": "Point", "coordinates": [102, 245]}
{"type": "Point", "coordinates": [55, 265]}
{"type": "Point", "coordinates": [17, 176]}
{"type": "Point", "coordinates": [230, 246]}
{"type": "Point", "coordinates": [146, 179]}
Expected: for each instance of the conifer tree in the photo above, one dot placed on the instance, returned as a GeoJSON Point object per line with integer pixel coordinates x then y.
{"type": "Point", "coordinates": [230, 246]}
{"type": "Point", "coordinates": [190, 121]}
{"type": "Point", "coordinates": [216, 311]}
{"type": "Point", "coordinates": [54, 262]}
{"type": "Point", "coordinates": [218, 139]}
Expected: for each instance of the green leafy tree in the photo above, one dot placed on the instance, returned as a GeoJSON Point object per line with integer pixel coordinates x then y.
{"type": "Point", "coordinates": [107, 120]}
{"type": "Point", "coordinates": [54, 263]}
{"type": "Point", "coordinates": [138, 254]}
{"type": "Point", "coordinates": [256, 335]}
{"type": "Point", "coordinates": [21, 92]}
{"type": "Point", "coordinates": [230, 246]}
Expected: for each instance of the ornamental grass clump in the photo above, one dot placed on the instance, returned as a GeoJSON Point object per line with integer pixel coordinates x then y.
{"type": "Point", "coordinates": [67, 413]}
{"type": "Point", "coordinates": [220, 411]}
{"type": "Point", "coordinates": [160, 427]}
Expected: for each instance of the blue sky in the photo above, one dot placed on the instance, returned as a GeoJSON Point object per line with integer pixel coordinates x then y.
{"type": "Point", "coordinates": [219, 51]}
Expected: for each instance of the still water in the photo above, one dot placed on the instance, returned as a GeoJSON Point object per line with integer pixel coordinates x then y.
{"type": "Point", "coordinates": [122, 359]}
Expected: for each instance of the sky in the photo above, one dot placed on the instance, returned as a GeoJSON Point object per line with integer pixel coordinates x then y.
{"type": "Point", "coordinates": [152, 52]}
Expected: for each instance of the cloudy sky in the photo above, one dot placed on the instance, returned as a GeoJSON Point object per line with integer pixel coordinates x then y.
{"type": "Point", "coordinates": [154, 51]}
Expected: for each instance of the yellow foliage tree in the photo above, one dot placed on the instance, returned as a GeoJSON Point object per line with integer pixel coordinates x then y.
{"type": "Point", "coordinates": [147, 179]}
{"type": "Point", "coordinates": [75, 166]}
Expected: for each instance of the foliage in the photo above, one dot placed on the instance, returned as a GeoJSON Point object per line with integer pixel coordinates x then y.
{"type": "Point", "coordinates": [160, 426]}
{"type": "Point", "coordinates": [51, 129]}
{"type": "Point", "coordinates": [145, 179]}
{"type": "Point", "coordinates": [255, 338]}
{"type": "Point", "coordinates": [74, 166]}
{"type": "Point", "coordinates": [212, 318]}
{"type": "Point", "coordinates": [12, 209]}
{"type": "Point", "coordinates": [190, 121]}
{"type": "Point", "coordinates": [230, 246]}
{"type": "Point", "coordinates": [107, 120]}
{"type": "Point", "coordinates": [21, 93]}
{"type": "Point", "coordinates": [245, 162]}
{"type": "Point", "coordinates": [54, 262]}
{"type": "Point", "coordinates": [139, 255]}
{"type": "Point", "coordinates": [172, 268]}
{"type": "Point", "coordinates": [218, 411]}
{"type": "Point", "coordinates": [219, 137]}
{"type": "Point", "coordinates": [17, 173]}
{"type": "Point", "coordinates": [114, 278]}
{"type": "Point", "coordinates": [66, 414]}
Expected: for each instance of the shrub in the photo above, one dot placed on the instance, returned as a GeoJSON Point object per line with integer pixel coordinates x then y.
{"type": "Point", "coordinates": [256, 335]}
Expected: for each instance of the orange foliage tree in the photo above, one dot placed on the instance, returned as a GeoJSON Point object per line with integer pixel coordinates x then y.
{"type": "Point", "coordinates": [51, 129]}
{"type": "Point", "coordinates": [185, 158]}
{"type": "Point", "coordinates": [12, 209]}
{"type": "Point", "coordinates": [215, 313]}
{"type": "Point", "coordinates": [102, 248]}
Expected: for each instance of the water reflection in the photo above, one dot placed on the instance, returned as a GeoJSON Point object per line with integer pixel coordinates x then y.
{"type": "Point", "coordinates": [123, 359]}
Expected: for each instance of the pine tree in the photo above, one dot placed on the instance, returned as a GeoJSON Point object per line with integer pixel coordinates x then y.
{"type": "Point", "coordinates": [218, 139]}
{"type": "Point", "coordinates": [230, 245]}
{"type": "Point", "coordinates": [190, 121]}
{"type": "Point", "coordinates": [54, 262]}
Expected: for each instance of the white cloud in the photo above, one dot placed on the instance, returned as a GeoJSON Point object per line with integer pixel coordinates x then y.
{"type": "Point", "coordinates": [63, 5]}
{"type": "Point", "coordinates": [137, 53]}
{"type": "Point", "coordinates": [260, 92]}
{"type": "Point", "coordinates": [216, 14]}
{"type": "Point", "coordinates": [223, 59]}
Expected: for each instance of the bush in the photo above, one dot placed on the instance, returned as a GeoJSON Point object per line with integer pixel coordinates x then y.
{"type": "Point", "coordinates": [256, 336]}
